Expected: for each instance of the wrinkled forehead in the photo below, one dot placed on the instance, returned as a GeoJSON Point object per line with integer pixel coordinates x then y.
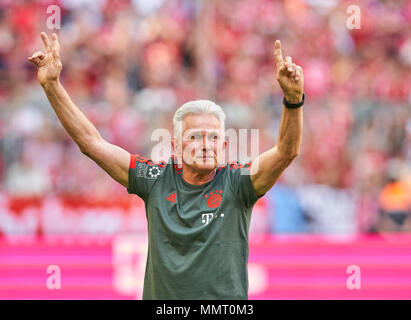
{"type": "Point", "coordinates": [201, 123]}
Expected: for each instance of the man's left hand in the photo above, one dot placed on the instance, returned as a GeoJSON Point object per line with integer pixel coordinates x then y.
{"type": "Point", "coordinates": [289, 75]}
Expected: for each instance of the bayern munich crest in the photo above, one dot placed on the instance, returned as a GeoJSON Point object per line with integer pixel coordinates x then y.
{"type": "Point", "coordinates": [214, 198]}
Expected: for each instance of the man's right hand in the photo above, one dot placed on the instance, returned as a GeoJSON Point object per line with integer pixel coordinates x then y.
{"type": "Point", "coordinates": [48, 64]}
{"type": "Point", "coordinates": [113, 159]}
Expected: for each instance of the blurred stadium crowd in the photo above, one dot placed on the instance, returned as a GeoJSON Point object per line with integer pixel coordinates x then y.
{"type": "Point", "coordinates": [128, 64]}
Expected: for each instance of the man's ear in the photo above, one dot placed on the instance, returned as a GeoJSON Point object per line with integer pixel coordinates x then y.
{"type": "Point", "coordinates": [175, 147]}
{"type": "Point", "coordinates": [225, 144]}
{"type": "Point", "coordinates": [173, 144]}
{"type": "Point", "coordinates": [222, 157]}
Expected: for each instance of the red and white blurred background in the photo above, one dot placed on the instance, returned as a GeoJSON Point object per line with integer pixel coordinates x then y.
{"type": "Point", "coordinates": [128, 64]}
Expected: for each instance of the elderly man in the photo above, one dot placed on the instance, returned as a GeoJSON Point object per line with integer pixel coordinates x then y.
{"type": "Point", "coordinates": [198, 211]}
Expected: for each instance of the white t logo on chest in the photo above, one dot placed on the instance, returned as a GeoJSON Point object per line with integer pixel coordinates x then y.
{"type": "Point", "coordinates": [207, 217]}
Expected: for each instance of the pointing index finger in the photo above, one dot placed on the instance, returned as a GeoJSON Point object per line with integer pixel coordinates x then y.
{"type": "Point", "coordinates": [277, 54]}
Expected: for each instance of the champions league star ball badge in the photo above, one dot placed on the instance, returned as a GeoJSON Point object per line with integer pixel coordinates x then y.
{"type": "Point", "coordinates": [153, 172]}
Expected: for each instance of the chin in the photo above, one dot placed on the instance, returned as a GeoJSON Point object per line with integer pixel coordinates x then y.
{"type": "Point", "coordinates": [206, 166]}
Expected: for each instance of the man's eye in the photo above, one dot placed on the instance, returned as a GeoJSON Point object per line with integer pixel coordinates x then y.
{"type": "Point", "coordinates": [195, 137]}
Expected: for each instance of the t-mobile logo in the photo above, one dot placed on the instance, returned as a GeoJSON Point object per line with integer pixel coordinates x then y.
{"type": "Point", "coordinates": [207, 217]}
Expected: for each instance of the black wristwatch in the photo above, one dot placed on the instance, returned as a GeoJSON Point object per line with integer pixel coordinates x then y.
{"type": "Point", "coordinates": [294, 105]}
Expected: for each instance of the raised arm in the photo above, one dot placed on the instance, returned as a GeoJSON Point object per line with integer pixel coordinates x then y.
{"type": "Point", "coordinates": [267, 168]}
{"type": "Point", "coordinates": [113, 159]}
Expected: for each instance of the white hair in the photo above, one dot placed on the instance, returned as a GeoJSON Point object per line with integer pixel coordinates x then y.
{"type": "Point", "coordinates": [196, 107]}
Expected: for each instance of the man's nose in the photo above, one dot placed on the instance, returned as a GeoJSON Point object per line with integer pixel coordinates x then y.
{"type": "Point", "coordinates": [207, 144]}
